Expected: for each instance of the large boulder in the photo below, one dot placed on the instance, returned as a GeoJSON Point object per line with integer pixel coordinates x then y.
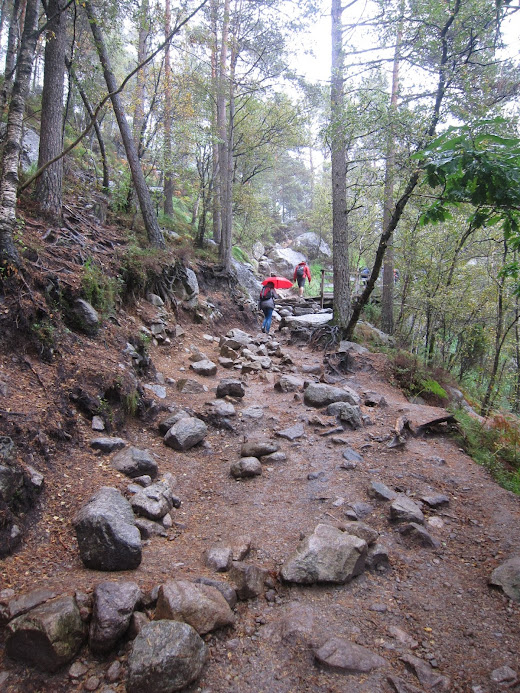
{"type": "Point", "coordinates": [48, 636]}
{"type": "Point", "coordinates": [284, 260]}
{"type": "Point", "coordinates": [202, 606]}
{"type": "Point", "coordinates": [114, 604]}
{"type": "Point", "coordinates": [186, 286]}
{"type": "Point", "coordinates": [135, 462]}
{"type": "Point", "coordinates": [166, 656]}
{"type": "Point", "coordinates": [186, 433]}
{"type": "Point", "coordinates": [107, 536]}
{"type": "Point", "coordinates": [312, 245]}
{"type": "Point", "coordinates": [327, 555]}
{"type": "Point", "coordinates": [321, 395]}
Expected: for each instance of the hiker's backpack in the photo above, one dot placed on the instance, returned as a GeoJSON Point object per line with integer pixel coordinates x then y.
{"type": "Point", "coordinates": [300, 271]}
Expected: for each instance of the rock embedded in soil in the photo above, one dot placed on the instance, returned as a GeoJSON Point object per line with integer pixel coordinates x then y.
{"type": "Point", "coordinates": [507, 577]}
{"type": "Point", "coordinates": [107, 536]}
{"type": "Point", "coordinates": [361, 530]}
{"type": "Point", "coordinates": [224, 588]}
{"type": "Point", "coordinates": [186, 433]}
{"type": "Point", "coordinates": [428, 678]}
{"type": "Point", "coordinates": [200, 605]}
{"type": "Point", "coordinates": [419, 535]}
{"type": "Point", "coordinates": [166, 656]}
{"type": "Point", "coordinates": [166, 424]}
{"type": "Point", "coordinates": [222, 408]}
{"type": "Point", "coordinates": [25, 602]}
{"type": "Point", "coordinates": [352, 456]}
{"type": "Point", "coordinates": [348, 657]}
{"type": "Point", "coordinates": [153, 502]}
{"type": "Point", "coordinates": [327, 555]}
{"type": "Point", "coordinates": [107, 445]}
{"type": "Point", "coordinates": [48, 636]}
{"type": "Point", "coordinates": [218, 558]}
{"type": "Point", "coordinates": [289, 383]}
{"type": "Point", "coordinates": [114, 604]}
{"type": "Point", "coordinates": [231, 387]}
{"type": "Point", "coordinates": [321, 395]}
{"type": "Point", "coordinates": [189, 386]}
{"type": "Point", "coordinates": [204, 367]}
{"type": "Point", "coordinates": [292, 433]}
{"type": "Point", "coordinates": [249, 580]}
{"type": "Point", "coordinates": [274, 457]}
{"type": "Point", "coordinates": [436, 501]}
{"type": "Point", "coordinates": [403, 509]}
{"type": "Point", "coordinates": [246, 467]}
{"type": "Point", "coordinates": [135, 462]}
{"type": "Point", "coordinates": [380, 491]}
{"type": "Point", "coordinates": [377, 558]}
{"type": "Point", "coordinates": [258, 448]}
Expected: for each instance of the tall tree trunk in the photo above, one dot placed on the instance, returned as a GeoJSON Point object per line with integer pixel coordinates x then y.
{"type": "Point", "coordinates": [99, 134]}
{"type": "Point", "coordinates": [387, 299]}
{"type": "Point", "coordinates": [11, 154]}
{"type": "Point", "coordinates": [48, 190]}
{"type": "Point", "coordinates": [140, 86]}
{"type": "Point", "coordinates": [217, 217]}
{"type": "Point", "coordinates": [155, 235]}
{"type": "Point", "coordinates": [13, 39]}
{"type": "Point", "coordinates": [222, 126]}
{"type": "Point", "coordinates": [168, 117]}
{"type": "Point", "coordinates": [340, 230]}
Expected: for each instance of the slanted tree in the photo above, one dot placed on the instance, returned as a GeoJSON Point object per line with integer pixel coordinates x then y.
{"type": "Point", "coordinates": [155, 235]}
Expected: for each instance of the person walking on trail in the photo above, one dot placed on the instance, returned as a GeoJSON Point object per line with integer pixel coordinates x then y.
{"type": "Point", "coordinates": [301, 271]}
{"type": "Point", "coordinates": [266, 305]}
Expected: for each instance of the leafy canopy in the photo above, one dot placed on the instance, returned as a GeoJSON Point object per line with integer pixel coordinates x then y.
{"type": "Point", "coordinates": [472, 166]}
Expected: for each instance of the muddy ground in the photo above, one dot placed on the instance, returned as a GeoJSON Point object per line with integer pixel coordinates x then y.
{"type": "Point", "coordinates": [439, 599]}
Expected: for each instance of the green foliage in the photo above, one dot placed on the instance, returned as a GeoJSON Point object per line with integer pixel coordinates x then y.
{"type": "Point", "coordinates": [495, 447]}
{"type": "Point", "coordinates": [119, 193]}
{"type": "Point", "coordinates": [139, 267]}
{"type": "Point", "coordinates": [239, 255]}
{"type": "Point", "coordinates": [416, 379]}
{"type": "Point", "coordinates": [131, 403]}
{"type": "Point", "coordinates": [100, 290]}
{"type": "Point", "coordinates": [475, 166]}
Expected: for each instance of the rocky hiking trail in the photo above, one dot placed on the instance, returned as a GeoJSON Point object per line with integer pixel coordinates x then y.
{"type": "Point", "coordinates": [417, 615]}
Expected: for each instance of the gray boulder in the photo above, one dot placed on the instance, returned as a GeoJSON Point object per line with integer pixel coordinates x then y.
{"type": "Point", "coordinates": [166, 424]}
{"type": "Point", "coordinates": [312, 245]}
{"type": "Point", "coordinates": [258, 448]}
{"type": "Point", "coordinates": [153, 502]}
{"type": "Point", "coordinates": [219, 558]}
{"type": "Point", "coordinates": [135, 462]}
{"type": "Point", "coordinates": [107, 445]}
{"type": "Point", "coordinates": [248, 579]}
{"type": "Point", "coordinates": [507, 577]}
{"type": "Point", "coordinates": [86, 316]}
{"type": "Point", "coordinates": [202, 606]}
{"type": "Point", "coordinates": [166, 656]}
{"type": "Point", "coordinates": [246, 467]}
{"type": "Point", "coordinates": [327, 555]}
{"type": "Point", "coordinates": [283, 260]}
{"type": "Point", "coordinates": [361, 530]}
{"type": "Point", "coordinates": [231, 387]}
{"type": "Point", "coordinates": [204, 367]}
{"type": "Point", "coordinates": [48, 636]}
{"type": "Point", "coordinates": [289, 383]}
{"type": "Point", "coordinates": [321, 395]}
{"type": "Point", "coordinates": [186, 433]}
{"type": "Point", "coordinates": [188, 386]}
{"type": "Point", "coordinates": [350, 415]}
{"type": "Point", "coordinates": [186, 287]}
{"type": "Point", "coordinates": [419, 535]}
{"type": "Point", "coordinates": [221, 408]}
{"type": "Point", "coordinates": [107, 536]}
{"type": "Point", "coordinates": [114, 604]}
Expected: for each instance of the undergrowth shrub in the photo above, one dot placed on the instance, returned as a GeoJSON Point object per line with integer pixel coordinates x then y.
{"type": "Point", "coordinates": [494, 445]}
{"type": "Point", "coordinates": [416, 379]}
{"type": "Point", "coordinates": [99, 289]}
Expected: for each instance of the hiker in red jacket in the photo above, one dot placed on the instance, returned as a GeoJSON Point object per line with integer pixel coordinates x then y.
{"type": "Point", "coordinates": [300, 272]}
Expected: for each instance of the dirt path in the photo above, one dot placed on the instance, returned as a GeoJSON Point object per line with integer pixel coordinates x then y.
{"type": "Point", "coordinates": [432, 603]}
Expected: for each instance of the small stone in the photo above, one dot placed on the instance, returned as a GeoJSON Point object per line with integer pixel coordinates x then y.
{"type": "Point", "coordinates": [92, 683]}
{"type": "Point", "coordinates": [503, 675]}
{"type": "Point", "coordinates": [77, 670]}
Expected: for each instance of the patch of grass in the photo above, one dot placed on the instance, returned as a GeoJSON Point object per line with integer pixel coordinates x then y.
{"type": "Point", "coordinates": [495, 446]}
{"type": "Point", "coordinates": [240, 255]}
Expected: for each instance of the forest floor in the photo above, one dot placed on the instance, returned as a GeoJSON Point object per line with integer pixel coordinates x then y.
{"type": "Point", "coordinates": [435, 604]}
